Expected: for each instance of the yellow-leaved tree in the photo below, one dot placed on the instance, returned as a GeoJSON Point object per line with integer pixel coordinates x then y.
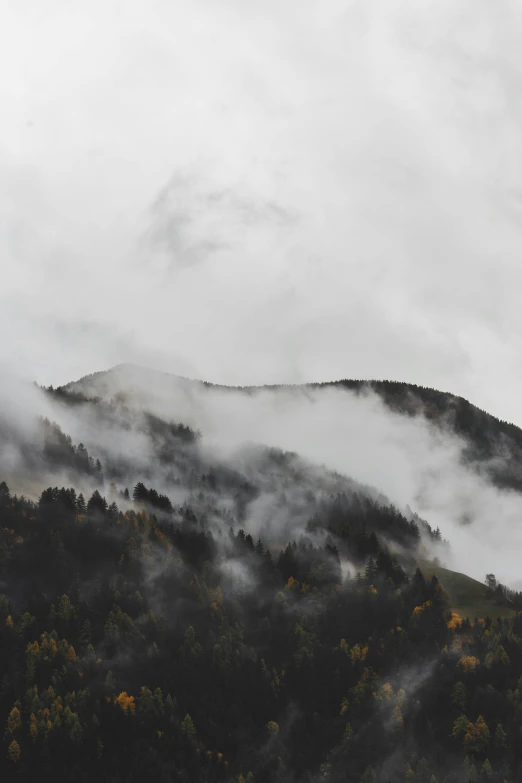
{"type": "Point", "coordinates": [14, 721]}
{"type": "Point", "coordinates": [14, 752]}
{"type": "Point", "coordinates": [126, 702]}
{"type": "Point", "coordinates": [468, 663]}
{"type": "Point", "coordinates": [477, 736]}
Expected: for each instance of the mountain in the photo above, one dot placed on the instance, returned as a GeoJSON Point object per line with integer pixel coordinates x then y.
{"type": "Point", "coordinates": [492, 447]}
{"type": "Point", "coordinates": [201, 583]}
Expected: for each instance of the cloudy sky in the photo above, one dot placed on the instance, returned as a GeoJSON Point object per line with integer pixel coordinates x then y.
{"type": "Point", "coordinates": [265, 192]}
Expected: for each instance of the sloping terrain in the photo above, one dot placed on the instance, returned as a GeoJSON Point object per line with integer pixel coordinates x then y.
{"type": "Point", "coordinates": [191, 603]}
{"type": "Point", "coordinates": [493, 447]}
{"type": "Point", "coordinates": [468, 597]}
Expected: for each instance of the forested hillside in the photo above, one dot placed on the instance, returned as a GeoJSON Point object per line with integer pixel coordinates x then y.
{"type": "Point", "coordinates": [493, 448]}
{"type": "Point", "coordinates": [170, 611]}
{"type": "Point", "coordinates": [138, 645]}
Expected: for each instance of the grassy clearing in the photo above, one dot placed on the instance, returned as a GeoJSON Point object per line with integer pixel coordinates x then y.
{"type": "Point", "coordinates": [468, 597]}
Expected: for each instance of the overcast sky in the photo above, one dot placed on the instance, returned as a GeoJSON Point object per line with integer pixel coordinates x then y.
{"type": "Point", "coordinates": [264, 192]}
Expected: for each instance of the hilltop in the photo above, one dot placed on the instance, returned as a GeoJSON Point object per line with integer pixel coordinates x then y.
{"type": "Point", "coordinates": [493, 447]}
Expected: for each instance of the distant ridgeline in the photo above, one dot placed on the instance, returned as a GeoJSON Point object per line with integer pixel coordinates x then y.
{"type": "Point", "coordinates": [154, 426]}
{"type": "Point", "coordinates": [488, 437]}
{"type": "Point", "coordinates": [494, 446]}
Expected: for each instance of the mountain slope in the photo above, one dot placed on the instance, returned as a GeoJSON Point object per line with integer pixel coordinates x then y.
{"type": "Point", "coordinates": [220, 608]}
{"type": "Point", "coordinates": [468, 597]}
{"type": "Point", "coordinates": [493, 447]}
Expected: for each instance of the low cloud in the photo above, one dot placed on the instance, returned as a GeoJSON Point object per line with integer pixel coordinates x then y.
{"type": "Point", "coordinates": [407, 459]}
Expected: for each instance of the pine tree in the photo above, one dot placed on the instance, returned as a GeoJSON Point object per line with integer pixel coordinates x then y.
{"type": "Point", "coordinates": [112, 512]}
{"type": "Point", "coordinates": [86, 633]}
{"type": "Point", "coordinates": [97, 505]}
{"type": "Point", "coordinates": [188, 728]}
{"type": "Point", "coordinates": [80, 504]}
{"type": "Point", "coordinates": [140, 493]}
{"type": "Point", "coordinates": [5, 495]}
{"type": "Point", "coordinates": [458, 697]}
{"type": "Point", "coordinates": [370, 572]}
{"type": "Point", "coordinates": [500, 737]}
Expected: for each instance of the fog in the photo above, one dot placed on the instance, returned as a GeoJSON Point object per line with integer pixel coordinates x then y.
{"type": "Point", "coordinates": [257, 194]}
{"type": "Point", "coordinates": [405, 459]}
{"type": "Point", "coordinates": [306, 193]}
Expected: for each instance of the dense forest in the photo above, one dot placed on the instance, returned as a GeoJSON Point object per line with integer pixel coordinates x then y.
{"type": "Point", "coordinates": [138, 645]}
{"type": "Point", "coordinates": [148, 634]}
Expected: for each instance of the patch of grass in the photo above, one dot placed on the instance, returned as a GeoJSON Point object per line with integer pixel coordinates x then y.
{"type": "Point", "coordinates": [468, 597]}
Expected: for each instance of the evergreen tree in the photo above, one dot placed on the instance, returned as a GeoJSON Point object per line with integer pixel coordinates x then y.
{"type": "Point", "coordinates": [80, 504]}
{"type": "Point", "coordinates": [97, 505]}
{"type": "Point", "coordinates": [140, 493]}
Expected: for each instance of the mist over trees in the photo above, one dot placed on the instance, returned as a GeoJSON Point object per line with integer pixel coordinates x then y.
{"type": "Point", "coordinates": [132, 649]}
{"type": "Point", "coordinates": [169, 613]}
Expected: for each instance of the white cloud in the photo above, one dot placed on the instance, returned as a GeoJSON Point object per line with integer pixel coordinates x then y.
{"type": "Point", "coordinates": [346, 201]}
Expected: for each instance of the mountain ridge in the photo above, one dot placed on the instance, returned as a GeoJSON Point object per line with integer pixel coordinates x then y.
{"type": "Point", "coordinates": [351, 384]}
{"type": "Point", "coordinates": [493, 446]}
{"type": "Point", "coordinates": [228, 561]}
